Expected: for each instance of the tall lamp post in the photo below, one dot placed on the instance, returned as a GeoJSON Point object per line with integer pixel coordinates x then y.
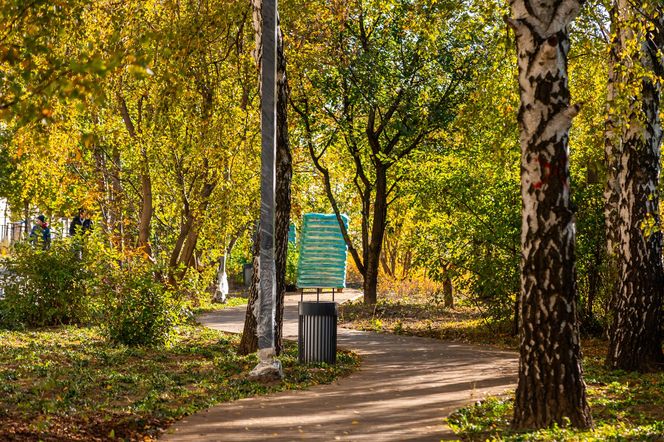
{"type": "Point", "coordinates": [268, 366]}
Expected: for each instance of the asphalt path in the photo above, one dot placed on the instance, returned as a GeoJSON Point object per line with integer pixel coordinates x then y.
{"type": "Point", "coordinates": [404, 389]}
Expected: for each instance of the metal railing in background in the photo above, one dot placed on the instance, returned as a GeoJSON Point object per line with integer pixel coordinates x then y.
{"type": "Point", "coordinates": [12, 233]}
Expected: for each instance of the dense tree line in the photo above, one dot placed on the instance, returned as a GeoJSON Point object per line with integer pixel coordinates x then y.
{"type": "Point", "coordinates": [404, 115]}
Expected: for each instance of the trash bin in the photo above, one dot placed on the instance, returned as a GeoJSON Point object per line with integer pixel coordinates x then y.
{"type": "Point", "coordinates": [317, 332]}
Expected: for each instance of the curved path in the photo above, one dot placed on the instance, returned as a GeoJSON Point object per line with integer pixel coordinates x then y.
{"type": "Point", "coordinates": [402, 391]}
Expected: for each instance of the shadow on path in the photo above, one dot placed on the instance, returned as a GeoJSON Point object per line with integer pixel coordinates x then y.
{"type": "Point", "coordinates": [402, 392]}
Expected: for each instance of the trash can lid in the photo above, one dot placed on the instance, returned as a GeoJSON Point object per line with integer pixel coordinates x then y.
{"type": "Point", "coordinates": [312, 308]}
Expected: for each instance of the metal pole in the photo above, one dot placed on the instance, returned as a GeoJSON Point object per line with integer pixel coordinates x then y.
{"type": "Point", "coordinates": [267, 304]}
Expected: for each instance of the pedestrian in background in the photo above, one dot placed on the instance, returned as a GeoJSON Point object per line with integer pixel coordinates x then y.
{"type": "Point", "coordinates": [41, 233]}
{"type": "Point", "coordinates": [81, 223]}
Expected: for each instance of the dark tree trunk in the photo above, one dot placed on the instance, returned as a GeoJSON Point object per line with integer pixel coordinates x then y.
{"type": "Point", "coordinates": [550, 387]}
{"type": "Point", "coordinates": [448, 292]}
{"type": "Point", "coordinates": [385, 261]}
{"type": "Point", "coordinates": [192, 235]}
{"type": "Point", "coordinates": [372, 257]}
{"type": "Point", "coordinates": [284, 174]}
{"type": "Point", "coordinates": [249, 341]}
{"type": "Point", "coordinates": [185, 227]}
{"type": "Point", "coordinates": [636, 334]}
{"type": "Point", "coordinates": [370, 285]}
{"type": "Point", "coordinates": [448, 289]}
{"type": "Point", "coordinates": [117, 196]}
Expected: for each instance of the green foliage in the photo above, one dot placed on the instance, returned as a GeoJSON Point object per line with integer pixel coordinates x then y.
{"type": "Point", "coordinates": [481, 418]}
{"type": "Point", "coordinates": [45, 287]}
{"type": "Point", "coordinates": [6, 168]}
{"type": "Point", "coordinates": [141, 311]}
{"type": "Point", "coordinates": [291, 263]}
{"type": "Point", "coordinates": [196, 286]}
{"type": "Point", "coordinates": [37, 63]}
{"type": "Point", "coordinates": [466, 199]}
{"type": "Point", "coordinates": [433, 81]}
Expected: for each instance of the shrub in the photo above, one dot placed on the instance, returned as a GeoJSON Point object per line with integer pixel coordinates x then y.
{"type": "Point", "coordinates": [44, 287]}
{"type": "Point", "coordinates": [142, 310]}
{"type": "Point", "coordinates": [292, 259]}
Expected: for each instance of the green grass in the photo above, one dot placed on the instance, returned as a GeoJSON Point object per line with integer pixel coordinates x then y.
{"type": "Point", "coordinates": [209, 306]}
{"type": "Point", "coordinates": [68, 383]}
{"type": "Point", "coordinates": [625, 406]}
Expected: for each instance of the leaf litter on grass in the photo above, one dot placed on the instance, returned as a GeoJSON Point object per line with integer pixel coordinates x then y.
{"type": "Point", "coordinates": [68, 383]}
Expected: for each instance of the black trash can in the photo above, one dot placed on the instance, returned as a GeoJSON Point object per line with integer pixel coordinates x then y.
{"type": "Point", "coordinates": [317, 332]}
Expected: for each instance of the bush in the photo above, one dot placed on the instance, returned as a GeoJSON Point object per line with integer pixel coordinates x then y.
{"type": "Point", "coordinates": [143, 311]}
{"type": "Point", "coordinates": [44, 287]}
{"type": "Point", "coordinates": [292, 259]}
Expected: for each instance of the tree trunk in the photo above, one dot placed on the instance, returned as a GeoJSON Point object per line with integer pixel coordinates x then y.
{"type": "Point", "coordinates": [550, 387]}
{"type": "Point", "coordinates": [372, 257]}
{"type": "Point", "coordinates": [612, 148]}
{"type": "Point", "coordinates": [146, 182]}
{"type": "Point", "coordinates": [635, 335]}
{"type": "Point", "coordinates": [284, 174]}
{"type": "Point", "coordinates": [249, 341]}
{"type": "Point", "coordinates": [187, 256]}
{"type": "Point", "coordinates": [185, 227]}
{"type": "Point", "coordinates": [219, 295]}
{"type": "Point", "coordinates": [194, 224]}
{"type": "Point", "coordinates": [448, 292]}
{"type": "Point", "coordinates": [283, 177]}
{"type": "Point", "coordinates": [117, 194]}
{"type": "Point", "coordinates": [388, 256]}
{"type": "Point", "coordinates": [146, 208]}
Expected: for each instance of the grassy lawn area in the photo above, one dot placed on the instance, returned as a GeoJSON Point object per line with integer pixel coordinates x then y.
{"type": "Point", "coordinates": [68, 383]}
{"type": "Point", "coordinates": [625, 406]}
{"type": "Point", "coordinates": [416, 317]}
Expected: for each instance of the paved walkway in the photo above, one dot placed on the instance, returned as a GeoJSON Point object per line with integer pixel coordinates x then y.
{"type": "Point", "coordinates": [402, 392]}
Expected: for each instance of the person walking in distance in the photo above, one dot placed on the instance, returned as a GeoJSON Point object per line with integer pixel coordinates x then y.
{"type": "Point", "coordinates": [41, 233]}
{"type": "Point", "coordinates": [80, 225]}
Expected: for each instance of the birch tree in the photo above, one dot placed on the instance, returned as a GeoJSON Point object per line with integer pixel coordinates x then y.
{"type": "Point", "coordinates": [550, 388]}
{"type": "Point", "coordinates": [634, 135]}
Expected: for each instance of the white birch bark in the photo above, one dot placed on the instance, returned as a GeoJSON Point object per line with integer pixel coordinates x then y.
{"type": "Point", "coordinates": [550, 387]}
